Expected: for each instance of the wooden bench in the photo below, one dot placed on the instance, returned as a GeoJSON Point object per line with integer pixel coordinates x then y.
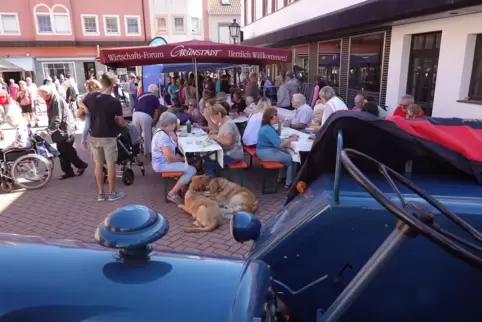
{"type": "Point", "coordinates": [268, 165]}
{"type": "Point", "coordinates": [237, 167]}
{"type": "Point", "coordinates": [166, 176]}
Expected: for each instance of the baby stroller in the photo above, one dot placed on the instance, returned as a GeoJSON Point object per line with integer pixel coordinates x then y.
{"type": "Point", "coordinates": [128, 151]}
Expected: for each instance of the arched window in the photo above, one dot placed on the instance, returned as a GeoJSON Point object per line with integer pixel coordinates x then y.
{"type": "Point", "coordinates": [55, 20]}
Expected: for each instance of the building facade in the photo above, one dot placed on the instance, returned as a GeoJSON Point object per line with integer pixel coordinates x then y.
{"type": "Point", "coordinates": [178, 20]}
{"type": "Point", "coordinates": [380, 48]}
{"type": "Point", "coordinates": [222, 13]}
{"type": "Point", "coordinates": [58, 37]}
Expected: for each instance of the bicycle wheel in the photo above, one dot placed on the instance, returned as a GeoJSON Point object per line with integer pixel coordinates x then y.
{"type": "Point", "coordinates": [31, 171]}
{"type": "Point", "coordinates": [52, 163]}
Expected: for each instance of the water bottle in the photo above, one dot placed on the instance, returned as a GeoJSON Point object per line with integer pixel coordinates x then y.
{"type": "Point", "coordinates": [188, 125]}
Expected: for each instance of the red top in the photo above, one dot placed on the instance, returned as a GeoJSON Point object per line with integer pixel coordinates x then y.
{"type": "Point", "coordinates": [400, 112]}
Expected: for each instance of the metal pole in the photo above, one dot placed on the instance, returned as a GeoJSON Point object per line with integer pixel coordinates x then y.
{"type": "Point", "coordinates": [196, 79]}
{"type": "Point", "coordinates": [367, 273]}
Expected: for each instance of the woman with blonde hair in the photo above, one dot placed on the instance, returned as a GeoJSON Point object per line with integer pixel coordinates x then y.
{"type": "Point", "coordinates": [250, 136]}
{"type": "Point", "coordinates": [207, 113]}
{"type": "Point", "coordinates": [91, 86]}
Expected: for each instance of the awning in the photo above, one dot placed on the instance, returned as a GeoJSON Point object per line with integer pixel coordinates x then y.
{"type": "Point", "coordinates": [200, 51]}
{"type": "Point", "coordinates": [18, 64]}
{"type": "Point", "coordinates": [6, 66]}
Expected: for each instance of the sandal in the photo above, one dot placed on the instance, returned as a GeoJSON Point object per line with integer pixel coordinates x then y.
{"type": "Point", "coordinates": [287, 186]}
{"type": "Point", "coordinates": [175, 199]}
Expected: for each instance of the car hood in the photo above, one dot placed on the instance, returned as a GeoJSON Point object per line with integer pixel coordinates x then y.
{"type": "Point", "coordinates": [69, 283]}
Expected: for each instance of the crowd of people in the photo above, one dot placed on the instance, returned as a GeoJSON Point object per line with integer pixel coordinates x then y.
{"type": "Point", "coordinates": [158, 112]}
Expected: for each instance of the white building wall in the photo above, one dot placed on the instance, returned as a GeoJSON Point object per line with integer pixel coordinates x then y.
{"type": "Point", "coordinates": [218, 27]}
{"type": "Point", "coordinates": [294, 13]}
{"type": "Point", "coordinates": [454, 66]}
{"type": "Point", "coordinates": [171, 9]}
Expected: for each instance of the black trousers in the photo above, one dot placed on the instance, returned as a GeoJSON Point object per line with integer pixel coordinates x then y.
{"type": "Point", "coordinates": [68, 156]}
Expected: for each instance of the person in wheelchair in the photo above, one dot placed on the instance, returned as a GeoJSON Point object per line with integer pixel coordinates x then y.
{"type": "Point", "coordinates": [23, 134]}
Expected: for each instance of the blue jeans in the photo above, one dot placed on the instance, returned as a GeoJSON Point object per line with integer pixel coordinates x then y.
{"type": "Point", "coordinates": [188, 171]}
{"type": "Point", "coordinates": [85, 132]}
{"type": "Point", "coordinates": [132, 100]}
{"type": "Point", "coordinates": [211, 166]}
{"type": "Point", "coordinates": [272, 154]}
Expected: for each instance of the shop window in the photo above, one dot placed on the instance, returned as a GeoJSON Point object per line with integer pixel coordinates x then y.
{"type": "Point", "coordinates": [329, 62]}
{"type": "Point", "coordinates": [366, 62]}
{"type": "Point", "coordinates": [475, 90]}
{"type": "Point", "coordinates": [57, 69]}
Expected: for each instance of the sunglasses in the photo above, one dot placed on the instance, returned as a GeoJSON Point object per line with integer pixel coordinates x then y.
{"type": "Point", "coordinates": [189, 104]}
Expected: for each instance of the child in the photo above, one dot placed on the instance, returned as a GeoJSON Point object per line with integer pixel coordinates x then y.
{"type": "Point", "coordinates": [250, 106]}
{"type": "Point", "coordinates": [23, 134]}
{"type": "Point", "coordinates": [318, 117]}
{"type": "Point", "coordinates": [413, 111]}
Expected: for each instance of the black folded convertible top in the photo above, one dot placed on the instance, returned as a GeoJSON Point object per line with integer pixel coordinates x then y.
{"type": "Point", "coordinates": [435, 145]}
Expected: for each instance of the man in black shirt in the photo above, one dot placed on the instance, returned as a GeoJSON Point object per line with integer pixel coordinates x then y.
{"type": "Point", "coordinates": [105, 115]}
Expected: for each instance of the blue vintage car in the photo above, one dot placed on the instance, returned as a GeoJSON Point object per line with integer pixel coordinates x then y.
{"type": "Point", "coordinates": [356, 241]}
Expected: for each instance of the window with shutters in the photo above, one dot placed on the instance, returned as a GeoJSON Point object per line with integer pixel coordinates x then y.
{"type": "Point", "coordinates": [9, 24]}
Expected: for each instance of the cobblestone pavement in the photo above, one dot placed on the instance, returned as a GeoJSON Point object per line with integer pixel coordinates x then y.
{"type": "Point", "coordinates": [69, 209]}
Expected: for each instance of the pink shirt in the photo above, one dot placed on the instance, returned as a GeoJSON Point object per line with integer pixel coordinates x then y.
{"type": "Point", "coordinates": [13, 91]}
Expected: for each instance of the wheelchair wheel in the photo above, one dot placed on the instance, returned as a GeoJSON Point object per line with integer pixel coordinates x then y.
{"type": "Point", "coordinates": [31, 171]}
{"type": "Point", "coordinates": [52, 163]}
{"type": "Point", "coordinates": [128, 176]}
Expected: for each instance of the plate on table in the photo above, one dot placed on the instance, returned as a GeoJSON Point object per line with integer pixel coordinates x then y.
{"type": "Point", "coordinates": [313, 128]}
{"type": "Point", "coordinates": [201, 134]}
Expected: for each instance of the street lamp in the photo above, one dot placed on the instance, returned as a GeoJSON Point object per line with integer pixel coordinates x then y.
{"type": "Point", "coordinates": [234, 29]}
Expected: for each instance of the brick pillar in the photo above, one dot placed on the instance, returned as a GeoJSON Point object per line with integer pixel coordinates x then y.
{"type": "Point", "coordinates": [312, 62]}
{"type": "Point", "coordinates": [344, 67]}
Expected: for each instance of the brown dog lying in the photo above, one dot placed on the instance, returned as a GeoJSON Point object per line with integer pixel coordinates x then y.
{"type": "Point", "coordinates": [232, 195]}
{"type": "Point", "coordinates": [206, 212]}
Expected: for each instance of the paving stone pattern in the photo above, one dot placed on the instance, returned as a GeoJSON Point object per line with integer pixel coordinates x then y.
{"type": "Point", "coordinates": [69, 209]}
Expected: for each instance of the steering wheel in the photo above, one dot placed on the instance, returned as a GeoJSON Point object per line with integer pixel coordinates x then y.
{"type": "Point", "coordinates": [417, 216]}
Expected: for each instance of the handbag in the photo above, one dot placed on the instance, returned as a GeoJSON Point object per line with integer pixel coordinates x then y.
{"type": "Point", "coordinates": [4, 99]}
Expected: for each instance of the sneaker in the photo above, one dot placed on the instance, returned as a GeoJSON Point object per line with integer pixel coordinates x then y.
{"type": "Point", "coordinates": [116, 196]}
{"type": "Point", "coordinates": [101, 197]}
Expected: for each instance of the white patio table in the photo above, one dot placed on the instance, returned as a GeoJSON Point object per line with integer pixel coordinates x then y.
{"type": "Point", "coordinates": [198, 142]}
{"type": "Point", "coordinates": [304, 143]}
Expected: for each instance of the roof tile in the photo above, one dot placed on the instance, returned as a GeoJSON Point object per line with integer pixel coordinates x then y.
{"type": "Point", "coordinates": [216, 8]}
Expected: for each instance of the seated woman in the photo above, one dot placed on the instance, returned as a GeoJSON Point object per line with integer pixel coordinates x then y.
{"type": "Point", "coordinates": [164, 158]}
{"type": "Point", "coordinates": [271, 148]}
{"type": "Point", "coordinates": [193, 111]}
{"type": "Point", "coordinates": [228, 137]}
{"type": "Point", "coordinates": [250, 135]}
{"type": "Point", "coordinates": [211, 128]}
{"type": "Point", "coordinates": [23, 134]}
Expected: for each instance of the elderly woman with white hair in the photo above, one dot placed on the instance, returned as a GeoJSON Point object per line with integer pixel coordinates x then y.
{"type": "Point", "coordinates": [146, 111]}
{"type": "Point", "coordinates": [330, 103]}
{"type": "Point", "coordinates": [165, 159]}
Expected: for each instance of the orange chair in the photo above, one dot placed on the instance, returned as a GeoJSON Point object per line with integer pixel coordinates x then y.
{"type": "Point", "coordinates": [166, 176]}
